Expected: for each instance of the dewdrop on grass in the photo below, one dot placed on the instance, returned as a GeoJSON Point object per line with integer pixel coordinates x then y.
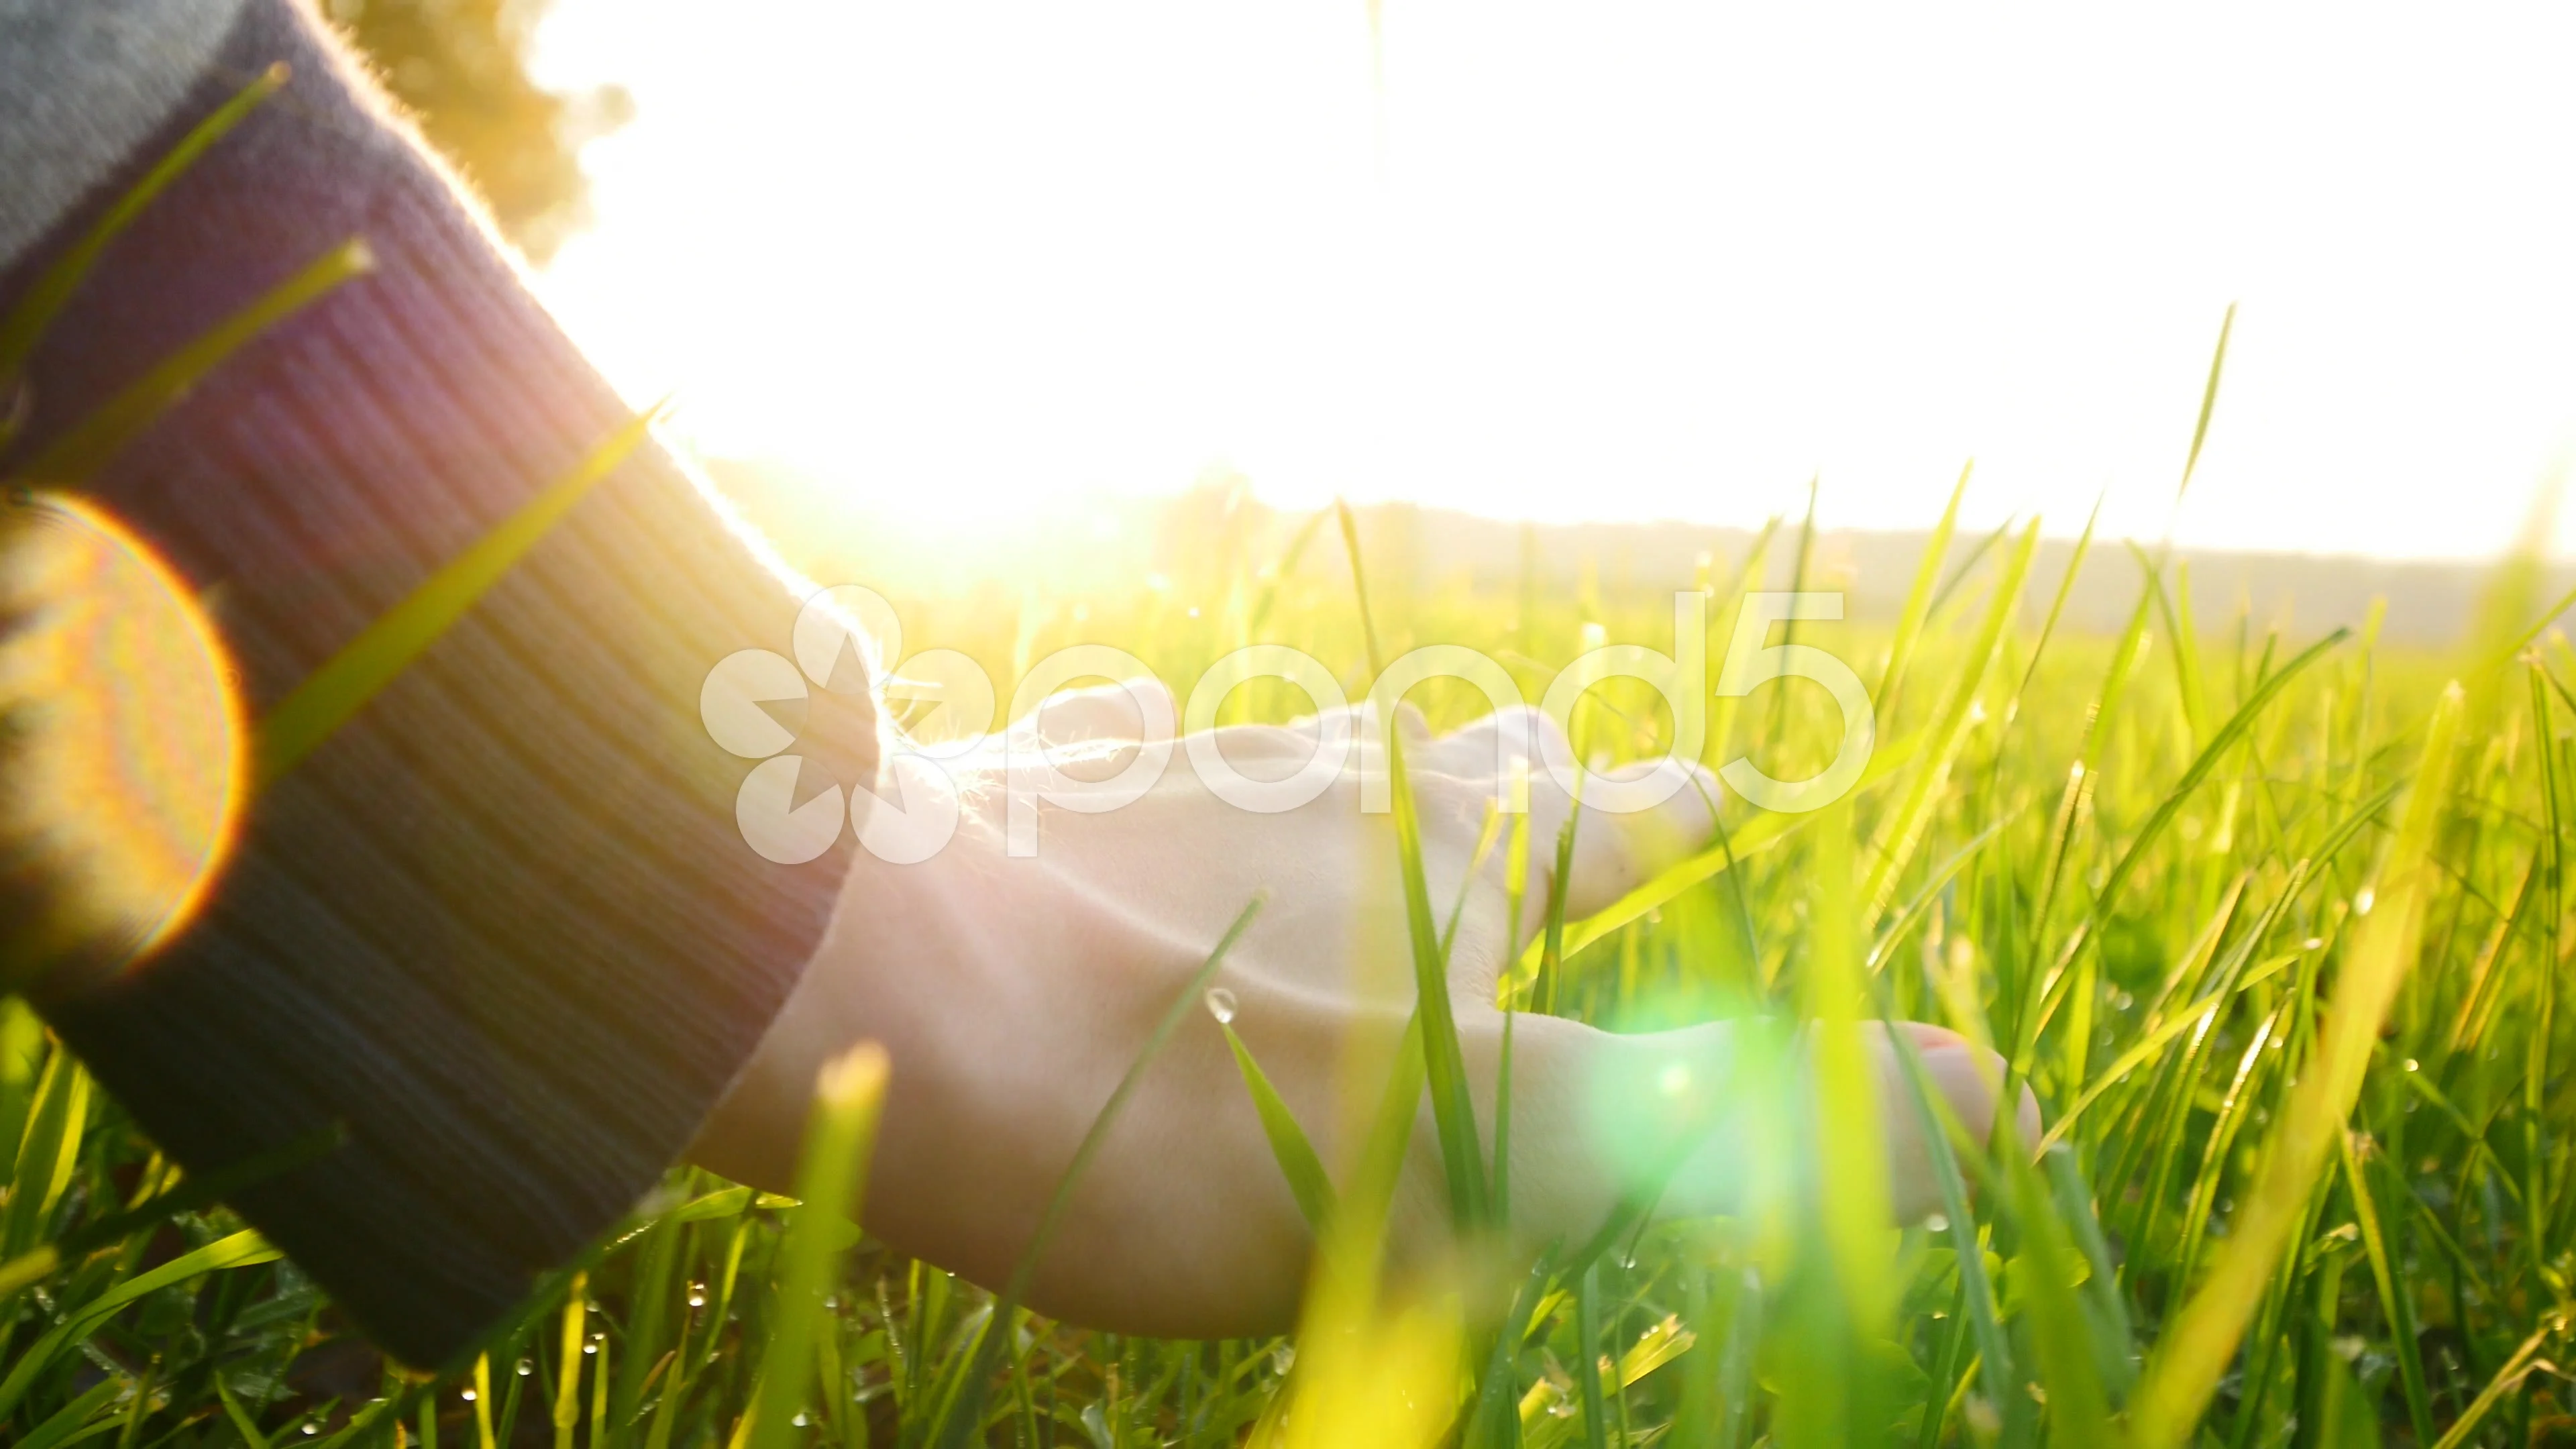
{"type": "Point", "coordinates": [1220, 1004]}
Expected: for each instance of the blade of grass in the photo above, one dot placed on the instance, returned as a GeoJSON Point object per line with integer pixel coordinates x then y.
{"type": "Point", "coordinates": [2107, 1313]}
{"type": "Point", "coordinates": [241, 1250]}
{"type": "Point", "coordinates": [233, 1411]}
{"type": "Point", "coordinates": [1296, 1155]}
{"type": "Point", "coordinates": [2228, 734]}
{"type": "Point", "coordinates": [1587, 1347]}
{"type": "Point", "coordinates": [25, 325]}
{"type": "Point", "coordinates": [299, 723]}
{"type": "Point", "coordinates": [1905, 828]}
{"type": "Point", "coordinates": [1722, 715]}
{"type": "Point", "coordinates": [1918, 600]}
{"type": "Point", "coordinates": [2392, 1300]}
{"type": "Point", "coordinates": [2062, 1335]}
{"type": "Point", "coordinates": [1280, 571]}
{"type": "Point", "coordinates": [958, 1415]}
{"type": "Point", "coordinates": [2506, 1380]}
{"type": "Point", "coordinates": [2208, 403]}
{"type": "Point", "coordinates": [831, 1183]}
{"type": "Point", "coordinates": [2233, 1108]}
{"type": "Point", "coordinates": [87, 445]}
{"type": "Point", "coordinates": [566, 1409]}
{"type": "Point", "coordinates": [71, 1423]}
{"type": "Point", "coordinates": [1493, 1421]}
{"type": "Point", "coordinates": [2544, 987]}
{"type": "Point", "coordinates": [2195, 1348]}
{"type": "Point", "coordinates": [2056, 608]}
{"type": "Point", "coordinates": [49, 1150]}
{"type": "Point", "coordinates": [1736, 846]}
{"type": "Point", "coordinates": [190, 1195]}
{"type": "Point", "coordinates": [1915, 909]}
{"type": "Point", "coordinates": [1838, 1394]}
{"type": "Point", "coordinates": [1444, 1060]}
{"type": "Point", "coordinates": [1967, 566]}
{"type": "Point", "coordinates": [2146, 1048]}
{"type": "Point", "coordinates": [1797, 584]}
{"type": "Point", "coordinates": [1939, 1128]}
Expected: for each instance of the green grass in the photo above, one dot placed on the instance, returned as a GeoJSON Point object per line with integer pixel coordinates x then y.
{"type": "Point", "coordinates": [2172, 945]}
{"type": "Point", "coordinates": [2274, 928]}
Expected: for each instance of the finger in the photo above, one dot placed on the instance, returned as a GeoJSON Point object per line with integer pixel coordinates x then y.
{"type": "Point", "coordinates": [1636, 819]}
{"type": "Point", "coordinates": [1346, 729]}
{"type": "Point", "coordinates": [1489, 751]}
{"type": "Point", "coordinates": [1616, 849]}
{"type": "Point", "coordinates": [1099, 712]}
{"type": "Point", "coordinates": [1968, 1080]}
{"type": "Point", "coordinates": [1601, 1118]}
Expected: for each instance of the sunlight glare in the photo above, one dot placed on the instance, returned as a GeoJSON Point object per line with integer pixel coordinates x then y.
{"type": "Point", "coordinates": [1622, 261]}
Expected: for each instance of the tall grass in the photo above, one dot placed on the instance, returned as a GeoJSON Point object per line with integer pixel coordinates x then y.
{"type": "Point", "coordinates": [2273, 926]}
{"type": "Point", "coordinates": [2283, 969]}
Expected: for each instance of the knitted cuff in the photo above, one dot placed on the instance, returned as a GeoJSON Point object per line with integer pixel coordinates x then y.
{"type": "Point", "coordinates": [502, 926]}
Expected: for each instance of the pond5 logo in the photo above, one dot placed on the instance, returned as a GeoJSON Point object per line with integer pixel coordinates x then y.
{"type": "Point", "coordinates": [810, 723]}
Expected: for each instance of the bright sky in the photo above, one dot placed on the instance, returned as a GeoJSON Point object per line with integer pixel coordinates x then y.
{"type": "Point", "coordinates": [1605, 260]}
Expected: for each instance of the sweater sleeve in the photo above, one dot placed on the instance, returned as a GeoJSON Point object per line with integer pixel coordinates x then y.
{"type": "Point", "coordinates": [502, 927]}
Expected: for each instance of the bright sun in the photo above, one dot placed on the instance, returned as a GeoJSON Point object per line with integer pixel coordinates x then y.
{"type": "Point", "coordinates": [1608, 261]}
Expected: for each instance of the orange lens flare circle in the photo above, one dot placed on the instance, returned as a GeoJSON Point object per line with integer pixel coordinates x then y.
{"type": "Point", "coordinates": [123, 749]}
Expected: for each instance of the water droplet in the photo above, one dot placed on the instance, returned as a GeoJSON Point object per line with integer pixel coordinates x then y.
{"type": "Point", "coordinates": [697, 1295]}
{"type": "Point", "coordinates": [526, 1368]}
{"type": "Point", "coordinates": [2363, 900]}
{"type": "Point", "coordinates": [468, 1395]}
{"type": "Point", "coordinates": [1284, 1357]}
{"type": "Point", "coordinates": [800, 1420]}
{"type": "Point", "coordinates": [312, 1428]}
{"type": "Point", "coordinates": [2413, 1065]}
{"type": "Point", "coordinates": [1936, 1224]}
{"type": "Point", "coordinates": [832, 1305]}
{"type": "Point", "coordinates": [1220, 1004]}
{"type": "Point", "coordinates": [590, 1348]}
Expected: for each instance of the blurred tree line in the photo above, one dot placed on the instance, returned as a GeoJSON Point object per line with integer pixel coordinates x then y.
{"type": "Point", "coordinates": [461, 67]}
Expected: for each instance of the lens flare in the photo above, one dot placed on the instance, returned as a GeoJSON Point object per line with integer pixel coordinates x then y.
{"type": "Point", "coordinates": [123, 751]}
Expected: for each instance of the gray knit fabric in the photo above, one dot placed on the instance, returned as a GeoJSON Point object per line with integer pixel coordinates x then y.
{"type": "Point", "coordinates": [82, 82]}
{"type": "Point", "coordinates": [502, 927]}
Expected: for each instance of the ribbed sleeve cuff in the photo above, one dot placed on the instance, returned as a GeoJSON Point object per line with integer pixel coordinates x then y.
{"type": "Point", "coordinates": [502, 925]}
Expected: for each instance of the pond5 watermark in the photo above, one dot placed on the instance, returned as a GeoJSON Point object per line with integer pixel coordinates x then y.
{"type": "Point", "coordinates": [848, 640]}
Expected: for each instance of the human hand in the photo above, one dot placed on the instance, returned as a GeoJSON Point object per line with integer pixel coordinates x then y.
{"type": "Point", "coordinates": [1013, 993]}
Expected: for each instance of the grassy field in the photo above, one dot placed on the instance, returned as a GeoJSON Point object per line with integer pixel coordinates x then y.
{"type": "Point", "coordinates": [2273, 927]}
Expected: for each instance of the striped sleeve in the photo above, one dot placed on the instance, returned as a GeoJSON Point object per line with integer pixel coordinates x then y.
{"type": "Point", "coordinates": [501, 927]}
